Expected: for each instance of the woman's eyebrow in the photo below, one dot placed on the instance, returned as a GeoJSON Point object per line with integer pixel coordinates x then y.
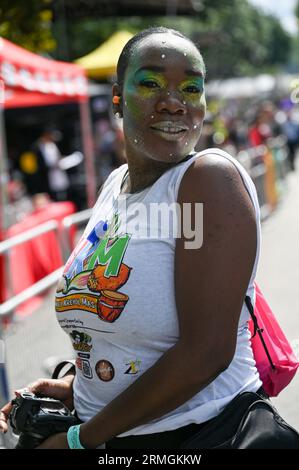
{"type": "Point", "coordinates": [157, 68]}
{"type": "Point", "coordinates": [151, 68]}
{"type": "Point", "coordinates": [194, 73]}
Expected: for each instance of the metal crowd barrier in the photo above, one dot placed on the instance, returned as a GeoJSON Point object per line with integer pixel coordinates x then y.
{"type": "Point", "coordinates": [280, 155]}
{"type": "Point", "coordinates": [269, 178]}
{"type": "Point", "coordinates": [8, 308]}
{"type": "Point", "coordinates": [252, 160]}
{"type": "Point", "coordinates": [10, 305]}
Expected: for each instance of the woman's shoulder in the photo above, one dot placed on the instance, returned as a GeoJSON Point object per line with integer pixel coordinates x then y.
{"type": "Point", "coordinates": [211, 174]}
{"type": "Point", "coordinates": [212, 168]}
{"type": "Point", "coordinates": [216, 164]}
{"type": "Point", "coordinates": [210, 158]}
{"type": "Point", "coordinates": [214, 159]}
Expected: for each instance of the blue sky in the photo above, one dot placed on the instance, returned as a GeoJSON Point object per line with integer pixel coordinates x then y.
{"type": "Point", "coordinates": [283, 9]}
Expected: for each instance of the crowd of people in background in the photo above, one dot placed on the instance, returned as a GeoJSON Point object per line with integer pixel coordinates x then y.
{"type": "Point", "coordinates": [237, 126]}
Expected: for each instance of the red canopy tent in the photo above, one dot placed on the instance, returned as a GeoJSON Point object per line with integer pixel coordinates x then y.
{"type": "Point", "coordinates": [31, 80]}
{"type": "Point", "coordinates": [28, 80]}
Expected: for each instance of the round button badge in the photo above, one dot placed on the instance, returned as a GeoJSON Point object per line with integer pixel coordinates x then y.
{"type": "Point", "coordinates": [104, 370]}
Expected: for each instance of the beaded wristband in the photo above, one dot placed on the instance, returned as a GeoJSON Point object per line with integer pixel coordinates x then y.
{"type": "Point", "coordinates": [73, 437]}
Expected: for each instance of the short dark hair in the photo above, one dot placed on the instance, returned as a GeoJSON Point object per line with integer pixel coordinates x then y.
{"type": "Point", "coordinates": [128, 49]}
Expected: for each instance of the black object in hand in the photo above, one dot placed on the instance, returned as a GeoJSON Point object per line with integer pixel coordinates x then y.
{"type": "Point", "coordinates": [36, 418]}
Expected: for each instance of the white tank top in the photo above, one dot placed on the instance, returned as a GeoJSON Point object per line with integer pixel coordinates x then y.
{"type": "Point", "coordinates": [117, 303]}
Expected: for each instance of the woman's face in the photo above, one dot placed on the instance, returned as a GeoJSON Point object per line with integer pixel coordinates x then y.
{"type": "Point", "coordinates": [163, 98]}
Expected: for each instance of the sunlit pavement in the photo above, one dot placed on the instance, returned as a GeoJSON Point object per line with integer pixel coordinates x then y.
{"type": "Point", "coordinates": [278, 277]}
{"type": "Point", "coordinates": [32, 342]}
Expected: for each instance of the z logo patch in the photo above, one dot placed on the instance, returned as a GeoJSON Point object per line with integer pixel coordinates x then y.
{"type": "Point", "coordinates": [134, 367]}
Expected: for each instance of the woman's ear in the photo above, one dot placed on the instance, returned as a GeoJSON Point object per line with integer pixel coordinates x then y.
{"type": "Point", "coordinates": [117, 99]}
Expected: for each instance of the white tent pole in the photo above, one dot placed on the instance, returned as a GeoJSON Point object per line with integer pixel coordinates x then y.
{"type": "Point", "coordinates": [88, 150]}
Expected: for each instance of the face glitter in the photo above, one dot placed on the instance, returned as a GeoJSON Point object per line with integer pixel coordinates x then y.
{"type": "Point", "coordinates": [148, 81]}
{"type": "Point", "coordinates": [184, 102]}
{"type": "Point", "coordinates": [195, 127]}
{"type": "Point", "coordinates": [146, 86]}
{"type": "Point", "coordinates": [185, 54]}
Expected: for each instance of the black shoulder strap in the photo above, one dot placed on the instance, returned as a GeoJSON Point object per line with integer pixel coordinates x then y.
{"type": "Point", "coordinates": [257, 329]}
{"type": "Point", "coordinates": [60, 366]}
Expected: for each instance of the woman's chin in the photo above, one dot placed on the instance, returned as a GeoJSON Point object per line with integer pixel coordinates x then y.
{"type": "Point", "coordinates": [171, 155]}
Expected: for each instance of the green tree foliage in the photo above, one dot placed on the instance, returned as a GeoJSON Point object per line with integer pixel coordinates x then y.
{"type": "Point", "coordinates": [27, 23]}
{"type": "Point", "coordinates": [294, 61]}
{"type": "Point", "coordinates": [234, 37]}
{"type": "Point", "coordinates": [238, 39]}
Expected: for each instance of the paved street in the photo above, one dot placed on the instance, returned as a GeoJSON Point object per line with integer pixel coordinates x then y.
{"type": "Point", "coordinates": [31, 341]}
{"type": "Point", "coordinates": [278, 277]}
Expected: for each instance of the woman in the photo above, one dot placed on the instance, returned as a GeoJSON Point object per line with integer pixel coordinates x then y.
{"type": "Point", "coordinates": [167, 345]}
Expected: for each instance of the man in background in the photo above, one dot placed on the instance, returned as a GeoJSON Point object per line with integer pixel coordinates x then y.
{"type": "Point", "coordinates": [41, 167]}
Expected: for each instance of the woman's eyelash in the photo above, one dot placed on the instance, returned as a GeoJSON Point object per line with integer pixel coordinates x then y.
{"type": "Point", "coordinates": [193, 89]}
{"type": "Point", "coordinates": [149, 83]}
{"type": "Point", "coordinates": [153, 84]}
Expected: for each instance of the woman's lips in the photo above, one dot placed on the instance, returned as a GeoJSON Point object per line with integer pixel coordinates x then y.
{"type": "Point", "coordinates": [170, 131]}
{"type": "Point", "coordinates": [171, 136]}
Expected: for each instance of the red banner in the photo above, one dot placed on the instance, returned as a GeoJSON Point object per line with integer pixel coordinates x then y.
{"type": "Point", "coordinates": [32, 80]}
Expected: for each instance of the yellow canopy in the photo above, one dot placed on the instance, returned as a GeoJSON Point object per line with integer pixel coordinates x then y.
{"type": "Point", "coordinates": [101, 62]}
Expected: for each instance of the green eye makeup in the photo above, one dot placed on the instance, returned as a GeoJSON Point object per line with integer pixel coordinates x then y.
{"type": "Point", "coordinates": [195, 85]}
{"type": "Point", "coordinates": [148, 81]}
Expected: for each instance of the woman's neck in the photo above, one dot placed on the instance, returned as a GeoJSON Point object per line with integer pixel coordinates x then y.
{"type": "Point", "coordinates": [144, 173]}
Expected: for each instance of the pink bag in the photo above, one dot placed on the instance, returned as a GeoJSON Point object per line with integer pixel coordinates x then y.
{"type": "Point", "coordinates": [274, 356]}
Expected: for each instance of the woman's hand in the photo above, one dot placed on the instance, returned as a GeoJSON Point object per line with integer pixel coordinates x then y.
{"type": "Point", "coordinates": [57, 441]}
{"type": "Point", "coordinates": [60, 389]}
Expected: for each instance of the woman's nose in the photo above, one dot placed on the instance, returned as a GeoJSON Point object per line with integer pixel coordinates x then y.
{"type": "Point", "coordinates": [171, 103]}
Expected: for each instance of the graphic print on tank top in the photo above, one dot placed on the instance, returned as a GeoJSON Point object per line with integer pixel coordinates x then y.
{"type": "Point", "coordinates": [95, 272]}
